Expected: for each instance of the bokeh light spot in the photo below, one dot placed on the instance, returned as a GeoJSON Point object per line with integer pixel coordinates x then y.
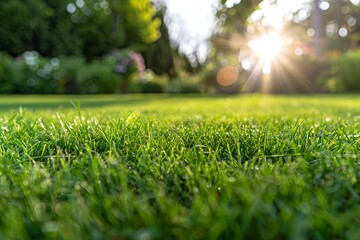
{"type": "Point", "coordinates": [246, 64]}
{"type": "Point", "coordinates": [80, 3]}
{"type": "Point", "coordinates": [104, 4]}
{"type": "Point", "coordinates": [298, 52]}
{"type": "Point", "coordinates": [351, 21]}
{"type": "Point", "coordinates": [324, 5]}
{"type": "Point", "coordinates": [343, 32]}
{"type": "Point", "coordinates": [71, 8]}
{"type": "Point", "coordinates": [310, 32]}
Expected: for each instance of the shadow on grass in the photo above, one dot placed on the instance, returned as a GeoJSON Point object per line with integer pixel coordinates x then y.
{"type": "Point", "coordinates": [11, 102]}
{"type": "Point", "coordinates": [37, 102]}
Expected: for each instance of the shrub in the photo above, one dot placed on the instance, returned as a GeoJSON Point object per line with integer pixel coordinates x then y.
{"type": "Point", "coordinates": [130, 66]}
{"type": "Point", "coordinates": [151, 87]}
{"type": "Point", "coordinates": [7, 74]}
{"type": "Point", "coordinates": [190, 87]}
{"type": "Point", "coordinates": [150, 83]}
{"type": "Point", "coordinates": [345, 73]}
{"type": "Point", "coordinates": [38, 75]}
{"type": "Point", "coordinates": [208, 78]}
{"type": "Point", "coordinates": [68, 74]}
{"type": "Point", "coordinates": [32, 74]}
{"type": "Point", "coordinates": [297, 75]}
{"type": "Point", "coordinates": [98, 77]}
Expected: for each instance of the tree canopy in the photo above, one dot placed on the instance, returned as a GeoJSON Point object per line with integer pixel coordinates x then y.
{"type": "Point", "coordinates": [90, 28]}
{"type": "Point", "coordinates": [232, 22]}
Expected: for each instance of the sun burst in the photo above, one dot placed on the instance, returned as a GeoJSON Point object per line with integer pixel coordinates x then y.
{"type": "Point", "coordinates": [267, 47]}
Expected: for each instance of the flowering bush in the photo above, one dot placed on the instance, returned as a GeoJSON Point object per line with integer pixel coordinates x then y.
{"type": "Point", "coordinates": [128, 62]}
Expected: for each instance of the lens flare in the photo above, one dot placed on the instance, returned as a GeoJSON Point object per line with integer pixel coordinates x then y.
{"type": "Point", "coordinates": [227, 76]}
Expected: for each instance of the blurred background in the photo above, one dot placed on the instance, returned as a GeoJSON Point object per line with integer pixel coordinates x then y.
{"type": "Point", "coordinates": [172, 46]}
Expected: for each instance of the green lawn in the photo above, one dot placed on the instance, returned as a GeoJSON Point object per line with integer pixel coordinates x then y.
{"type": "Point", "coordinates": [180, 167]}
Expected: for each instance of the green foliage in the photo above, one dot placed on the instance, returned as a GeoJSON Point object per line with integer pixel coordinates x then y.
{"type": "Point", "coordinates": [156, 167]}
{"type": "Point", "coordinates": [92, 29]}
{"type": "Point", "coordinates": [68, 73]}
{"type": "Point", "coordinates": [346, 72]}
{"type": "Point", "coordinates": [139, 15]}
{"type": "Point", "coordinates": [152, 87]}
{"type": "Point", "coordinates": [30, 73]}
{"type": "Point", "coordinates": [159, 57]}
{"type": "Point", "coordinates": [97, 77]}
{"type": "Point", "coordinates": [190, 87]}
{"type": "Point", "coordinates": [37, 25]}
{"type": "Point", "coordinates": [7, 74]}
{"type": "Point", "coordinates": [232, 21]}
{"type": "Point", "coordinates": [33, 74]}
{"type": "Point", "coordinates": [185, 84]}
{"type": "Point", "coordinates": [73, 75]}
{"type": "Point", "coordinates": [234, 18]}
{"type": "Point", "coordinates": [20, 19]}
{"type": "Point", "coordinates": [38, 74]}
{"type": "Point", "coordinates": [298, 75]}
{"type": "Point", "coordinates": [150, 83]}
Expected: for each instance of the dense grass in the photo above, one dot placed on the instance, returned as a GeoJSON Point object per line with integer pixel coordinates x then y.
{"type": "Point", "coordinates": [165, 167]}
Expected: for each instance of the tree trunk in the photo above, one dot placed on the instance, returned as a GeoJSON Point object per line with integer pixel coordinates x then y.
{"type": "Point", "coordinates": [318, 28]}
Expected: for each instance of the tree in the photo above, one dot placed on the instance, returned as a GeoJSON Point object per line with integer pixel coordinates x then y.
{"type": "Point", "coordinates": [232, 23]}
{"type": "Point", "coordinates": [333, 25]}
{"type": "Point", "coordinates": [161, 47]}
{"type": "Point", "coordinates": [318, 28]}
{"type": "Point", "coordinates": [233, 15]}
{"type": "Point", "coordinates": [221, 71]}
{"type": "Point", "coordinates": [116, 24]}
{"type": "Point", "coordinates": [171, 61]}
{"type": "Point", "coordinates": [90, 28]}
{"type": "Point", "coordinates": [36, 25]}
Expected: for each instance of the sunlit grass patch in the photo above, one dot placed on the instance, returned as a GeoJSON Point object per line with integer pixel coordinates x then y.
{"type": "Point", "coordinates": [165, 167]}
